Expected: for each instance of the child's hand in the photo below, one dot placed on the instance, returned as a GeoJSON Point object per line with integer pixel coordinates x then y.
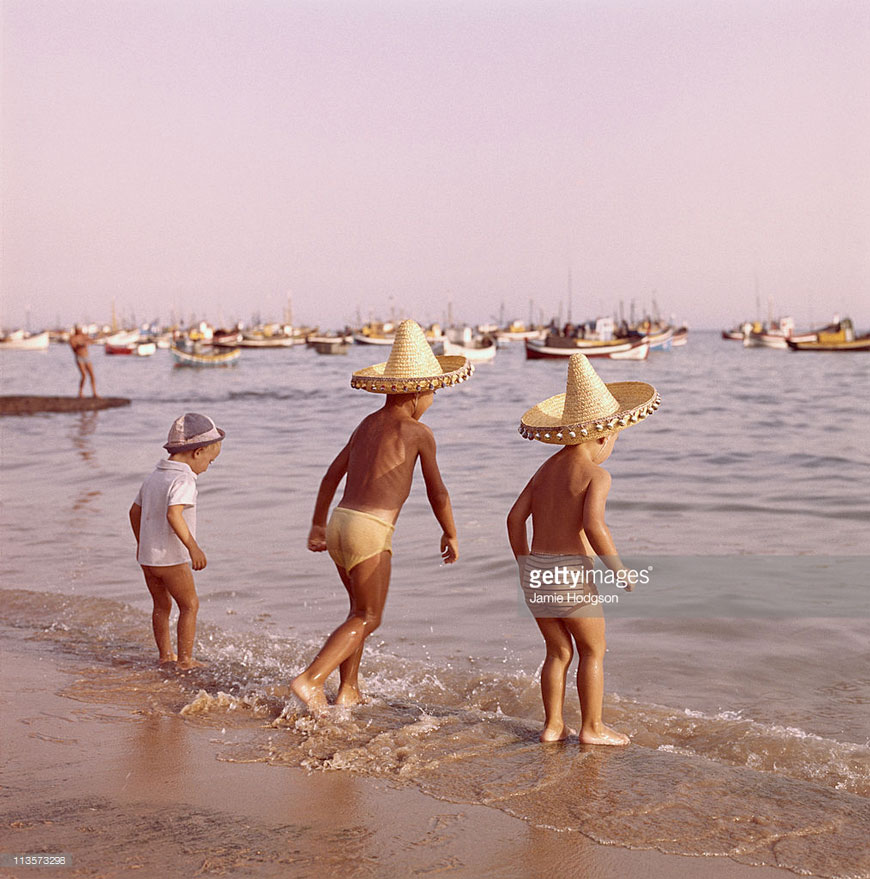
{"type": "Point", "coordinates": [317, 538]}
{"type": "Point", "coordinates": [198, 559]}
{"type": "Point", "coordinates": [449, 549]}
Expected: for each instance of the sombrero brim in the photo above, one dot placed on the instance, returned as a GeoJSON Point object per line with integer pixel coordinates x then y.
{"type": "Point", "coordinates": [374, 379]}
{"type": "Point", "coordinates": [546, 424]}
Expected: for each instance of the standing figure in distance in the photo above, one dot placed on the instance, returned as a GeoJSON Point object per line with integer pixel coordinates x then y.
{"type": "Point", "coordinates": [79, 342]}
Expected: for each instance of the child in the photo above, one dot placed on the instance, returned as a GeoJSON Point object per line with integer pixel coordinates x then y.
{"type": "Point", "coordinates": [566, 499]}
{"type": "Point", "coordinates": [379, 461]}
{"type": "Point", "coordinates": [163, 518]}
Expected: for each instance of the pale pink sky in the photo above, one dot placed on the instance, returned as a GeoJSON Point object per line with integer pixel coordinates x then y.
{"type": "Point", "coordinates": [211, 156]}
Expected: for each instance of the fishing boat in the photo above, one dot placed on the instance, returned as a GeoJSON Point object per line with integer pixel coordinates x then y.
{"type": "Point", "coordinates": [138, 348]}
{"type": "Point", "coordinates": [776, 334]}
{"type": "Point", "coordinates": [198, 355]}
{"type": "Point", "coordinates": [560, 347]}
{"type": "Point", "coordinates": [737, 333]}
{"type": "Point", "coordinates": [840, 339]}
{"type": "Point", "coordinates": [660, 339]}
{"type": "Point", "coordinates": [519, 332]}
{"type": "Point", "coordinates": [680, 337]}
{"type": "Point", "coordinates": [330, 343]}
{"type": "Point", "coordinates": [376, 333]}
{"type": "Point", "coordinates": [24, 341]}
{"type": "Point", "coordinates": [267, 338]}
{"type": "Point", "coordinates": [479, 349]}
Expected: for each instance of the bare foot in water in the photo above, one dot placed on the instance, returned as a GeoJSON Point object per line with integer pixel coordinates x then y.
{"type": "Point", "coordinates": [348, 697]}
{"type": "Point", "coordinates": [167, 659]}
{"type": "Point", "coordinates": [603, 735]}
{"type": "Point", "coordinates": [188, 664]}
{"type": "Point", "coordinates": [312, 696]}
{"type": "Point", "coordinates": [557, 734]}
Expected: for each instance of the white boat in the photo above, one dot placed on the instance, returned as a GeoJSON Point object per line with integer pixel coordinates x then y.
{"type": "Point", "coordinates": [23, 341]}
{"type": "Point", "coordinates": [479, 350]}
{"type": "Point", "coordinates": [617, 349]}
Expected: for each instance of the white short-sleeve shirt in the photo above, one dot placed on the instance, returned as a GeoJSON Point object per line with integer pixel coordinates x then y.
{"type": "Point", "coordinates": [171, 483]}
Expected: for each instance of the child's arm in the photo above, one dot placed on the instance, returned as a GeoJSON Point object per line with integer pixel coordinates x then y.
{"type": "Point", "coordinates": [594, 525]}
{"type": "Point", "coordinates": [330, 482]}
{"type": "Point", "coordinates": [516, 521]}
{"type": "Point", "coordinates": [439, 499]}
{"type": "Point", "coordinates": [179, 526]}
{"type": "Point", "coordinates": [136, 520]}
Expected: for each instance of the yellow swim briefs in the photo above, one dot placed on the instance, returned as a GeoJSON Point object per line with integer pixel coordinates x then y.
{"type": "Point", "coordinates": [353, 536]}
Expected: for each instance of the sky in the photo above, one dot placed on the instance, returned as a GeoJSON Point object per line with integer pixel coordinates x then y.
{"type": "Point", "coordinates": [218, 159]}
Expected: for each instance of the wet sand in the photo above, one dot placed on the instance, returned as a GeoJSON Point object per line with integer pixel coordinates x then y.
{"type": "Point", "coordinates": [127, 790]}
{"type": "Point", "coordinates": [26, 404]}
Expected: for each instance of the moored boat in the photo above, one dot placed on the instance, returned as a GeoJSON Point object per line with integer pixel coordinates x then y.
{"type": "Point", "coordinates": [839, 339]}
{"type": "Point", "coordinates": [478, 349]}
{"type": "Point", "coordinates": [617, 349]}
{"type": "Point", "coordinates": [204, 356]}
{"type": "Point", "coordinates": [24, 341]}
{"type": "Point", "coordinates": [680, 337]}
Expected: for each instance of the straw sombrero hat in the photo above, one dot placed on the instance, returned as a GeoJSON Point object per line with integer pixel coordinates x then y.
{"type": "Point", "coordinates": [412, 366]}
{"type": "Point", "coordinates": [589, 408]}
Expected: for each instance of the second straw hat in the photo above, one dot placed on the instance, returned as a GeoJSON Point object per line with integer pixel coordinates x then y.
{"type": "Point", "coordinates": [589, 408]}
{"type": "Point", "coordinates": [412, 366]}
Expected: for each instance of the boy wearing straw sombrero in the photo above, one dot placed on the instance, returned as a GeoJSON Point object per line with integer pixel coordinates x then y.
{"type": "Point", "coordinates": [379, 461]}
{"type": "Point", "coordinates": [566, 499]}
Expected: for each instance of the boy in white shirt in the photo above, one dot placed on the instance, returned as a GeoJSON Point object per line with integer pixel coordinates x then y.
{"type": "Point", "coordinates": [163, 518]}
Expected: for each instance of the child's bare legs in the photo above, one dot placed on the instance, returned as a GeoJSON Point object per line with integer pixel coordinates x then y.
{"type": "Point", "coordinates": [348, 688]}
{"type": "Point", "coordinates": [173, 581]}
{"type": "Point", "coordinates": [589, 636]}
{"type": "Point", "coordinates": [368, 583]}
{"type": "Point", "coordinates": [560, 651]}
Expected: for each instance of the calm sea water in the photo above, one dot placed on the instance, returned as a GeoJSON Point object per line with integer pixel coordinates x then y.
{"type": "Point", "coordinates": [741, 671]}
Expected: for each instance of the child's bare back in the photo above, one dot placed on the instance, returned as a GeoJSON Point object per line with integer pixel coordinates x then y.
{"type": "Point", "coordinates": [381, 456]}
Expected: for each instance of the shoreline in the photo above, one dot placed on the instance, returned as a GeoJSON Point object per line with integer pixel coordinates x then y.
{"type": "Point", "coordinates": [124, 789]}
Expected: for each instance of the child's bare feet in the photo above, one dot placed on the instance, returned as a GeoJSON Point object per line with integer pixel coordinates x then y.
{"type": "Point", "coordinates": [557, 734]}
{"type": "Point", "coordinates": [187, 664]}
{"type": "Point", "coordinates": [165, 660]}
{"type": "Point", "coordinates": [603, 735]}
{"type": "Point", "coordinates": [348, 697]}
{"type": "Point", "coordinates": [312, 696]}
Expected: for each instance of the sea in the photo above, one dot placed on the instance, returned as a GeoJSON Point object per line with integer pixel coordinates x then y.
{"type": "Point", "coordinates": [739, 667]}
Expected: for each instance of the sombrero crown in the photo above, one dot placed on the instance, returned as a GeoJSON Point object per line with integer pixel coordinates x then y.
{"type": "Point", "coordinates": [412, 366]}
{"type": "Point", "coordinates": [589, 408]}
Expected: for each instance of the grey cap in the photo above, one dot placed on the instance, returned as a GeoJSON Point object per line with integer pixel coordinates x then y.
{"type": "Point", "coordinates": [192, 431]}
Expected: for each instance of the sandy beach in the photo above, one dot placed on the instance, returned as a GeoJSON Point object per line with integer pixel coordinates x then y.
{"type": "Point", "coordinates": [125, 790]}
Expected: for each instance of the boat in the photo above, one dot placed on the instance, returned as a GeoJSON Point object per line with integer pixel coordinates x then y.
{"type": "Point", "coordinates": [265, 340]}
{"type": "Point", "coordinates": [325, 345]}
{"type": "Point", "coordinates": [329, 338]}
{"type": "Point", "coordinates": [519, 332]}
{"type": "Point", "coordinates": [842, 338]}
{"type": "Point", "coordinates": [776, 335]}
{"type": "Point", "coordinates": [660, 339]}
{"type": "Point", "coordinates": [140, 349]}
{"type": "Point", "coordinates": [24, 341]}
{"type": "Point", "coordinates": [737, 333]}
{"type": "Point", "coordinates": [680, 337]}
{"type": "Point", "coordinates": [203, 355]}
{"type": "Point", "coordinates": [477, 349]}
{"type": "Point", "coordinates": [616, 349]}
{"type": "Point", "coordinates": [376, 333]}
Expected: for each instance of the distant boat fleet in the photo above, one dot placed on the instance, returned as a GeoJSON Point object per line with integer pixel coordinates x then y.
{"type": "Point", "coordinates": [206, 346]}
{"type": "Point", "coordinates": [838, 336]}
